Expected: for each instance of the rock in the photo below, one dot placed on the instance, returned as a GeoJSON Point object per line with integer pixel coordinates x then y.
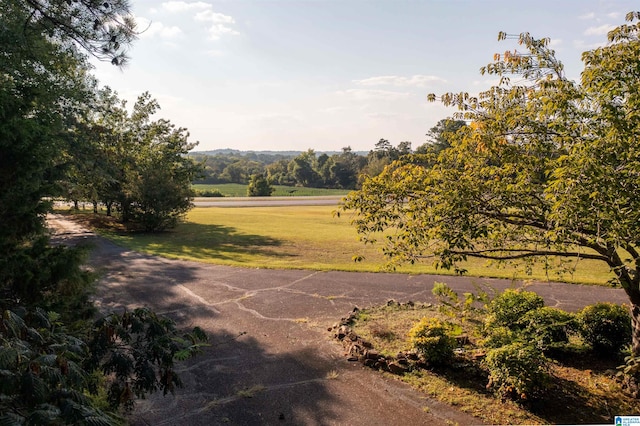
{"type": "Point", "coordinates": [381, 364]}
{"type": "Point", "coordinates": [396, 368]}
{"type": "Point", "coordinates": [371, 354]}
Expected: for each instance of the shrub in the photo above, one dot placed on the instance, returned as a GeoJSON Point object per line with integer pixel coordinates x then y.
{"type": "Point", "coordinates": [430, 337]}
{"type": "Point", "coordinates": [548, 327]}
{"type": "Point", "coordinates": [510, 306]}
{"type": "Point", "coordinates": [606, 327]}
{"type": "Point", "coordinates": [629, 375]}
{"type": "Point", "coordinates": [517, 370]}
{"type": "Point", "coordinates": [499, 336]}
{"type": "Point", "coordinates": [209, 193]}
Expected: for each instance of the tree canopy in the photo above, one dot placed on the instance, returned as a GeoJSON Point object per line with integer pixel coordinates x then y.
{"type": "Point", "coordinates": [547, 170]}
{"type": "Point", "coordinates": [54, 361]}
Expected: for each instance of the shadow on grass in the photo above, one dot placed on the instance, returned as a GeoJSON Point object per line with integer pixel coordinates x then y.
{"type": "Point", "coordinates": [565, 402]}
{"type": "Point", "coordinates": [200, 242]}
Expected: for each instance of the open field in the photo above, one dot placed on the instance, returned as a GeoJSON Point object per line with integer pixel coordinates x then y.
{"type": "Point", "coordinates": [239, 190]}
{"type": "Point", "coordinates": [300, 237]}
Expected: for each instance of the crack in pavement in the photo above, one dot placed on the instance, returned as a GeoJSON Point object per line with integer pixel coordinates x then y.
{"type": "Point", "coordinates": [279, 353]}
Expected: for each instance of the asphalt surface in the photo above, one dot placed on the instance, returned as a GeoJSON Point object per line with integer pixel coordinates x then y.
{"type": "Point", "coordinates": [272, 360]}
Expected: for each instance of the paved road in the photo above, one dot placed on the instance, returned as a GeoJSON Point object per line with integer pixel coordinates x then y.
{"type": "Point", "coordinates": [284, 369]}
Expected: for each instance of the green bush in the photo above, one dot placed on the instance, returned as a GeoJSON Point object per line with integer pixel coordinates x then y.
{"type": "Point", "coordinates": [606, 327]}
{"type": "Point", "coordinates": [510, 306]}
{"type": "Point", "coordinates": [430, 337]}
{"type": "Point", "coordinates": [209, 193]}
{"type": "Point", "coordinates": [548, 327]}
{"type": "Point", "coordinates": [497, 337]}
{"type": "Point", "coordinates": [517, 371]}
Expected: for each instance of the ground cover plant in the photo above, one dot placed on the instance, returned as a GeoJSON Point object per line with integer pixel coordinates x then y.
{"type": "Point", "coordinates": [518, 380]}
{"type": "Point", "coordinates": [298, 237]}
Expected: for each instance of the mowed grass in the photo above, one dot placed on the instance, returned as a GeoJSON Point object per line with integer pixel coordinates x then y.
{"type": "Point", "coordinates": [239, 190]}
{"type": "Point", "coordinates": [301, 237]}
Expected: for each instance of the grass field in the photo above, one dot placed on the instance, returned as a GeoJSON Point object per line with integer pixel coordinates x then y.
{"type": "Point", "coordinates": [301, 237]}
{"type": "Point", "coordinates": [238, 190]}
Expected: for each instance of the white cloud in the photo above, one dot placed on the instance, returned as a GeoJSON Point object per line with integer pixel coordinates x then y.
{"type": "Point", "coordinates": [220, 23]}
{"type": "Point", "coordinates": [157, 29]}
{"type": "Point", "coordinates": [601, 30]}
{"type": "Point", "coordinates": [589, 15]}
{"type": "Point", "coordinates": [182, 6]}
{"type": "Point", "coordinates": [393, 80]}
{"type": "Point", "coordinates": [614, 15]}
{"type": "Point", "coordinates": [368, 94]}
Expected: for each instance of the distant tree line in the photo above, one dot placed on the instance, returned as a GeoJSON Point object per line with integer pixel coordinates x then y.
{"type": "Point", "coordinates": [344, 170]}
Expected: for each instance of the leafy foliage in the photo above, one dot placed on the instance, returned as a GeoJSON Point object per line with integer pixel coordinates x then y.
{"type": "Point", "coordinates": [606, 327]}
{"type": "Point", "coordinates": [518, 370]}
{"type": "Point", "coordinates": [43, 380]}
{"type": "Point", "coordinates": [259, 186]}
{"type": "Point", "coordinates": [548, 327]}
{"type": "Point", "coordinates": [48, 372]}
{"type": "Point", "coordinates": [431, 338]}
{"type": "Point", "coordinates": [546, 171]}
{"type": "Point", "coordinates": [508, 308]}
{"type": "Point", "coordinates": [136, 351]}
{"type": "Point", "coordinates": [136, 164]}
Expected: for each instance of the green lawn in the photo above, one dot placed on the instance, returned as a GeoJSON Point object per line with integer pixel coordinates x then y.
{"type": "Point", "coordinates": [301, 237]}
{"type": "Point", "coordinates": [239, 190]}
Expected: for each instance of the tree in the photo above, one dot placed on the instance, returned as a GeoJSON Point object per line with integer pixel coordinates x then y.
{"type": "Point", "coordinates": [548, 170]}
{"type": "Point", "coordinates": [158, 184]}
{"type": "Point", "coordinates": [259, 186]}
{"type": "Point", "coordinates": [439, 136]}
{"type": "Point", "coordinates": [135, 163]}
{"type": "Point", "coordinates": [303, 169]}
{"type": "Point", "coordinates": [45, 88]}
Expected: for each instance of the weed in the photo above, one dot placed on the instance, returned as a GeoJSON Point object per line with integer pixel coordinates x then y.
{"type": "Point", "coordinates": [332, 375]}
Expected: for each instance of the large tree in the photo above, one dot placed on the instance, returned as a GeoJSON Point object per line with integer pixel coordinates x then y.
{"type": "Point", "coordinates": [44, 82]}
{"type": "Point", "coordinates": [548, 170]}
{"type": "Point", "coordinates": [139, 164]}
{"type": "Point", "coordinates": [48, 370]}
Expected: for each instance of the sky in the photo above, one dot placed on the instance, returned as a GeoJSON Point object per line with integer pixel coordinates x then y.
{"type": "Point", "coordinates": [279, 75]}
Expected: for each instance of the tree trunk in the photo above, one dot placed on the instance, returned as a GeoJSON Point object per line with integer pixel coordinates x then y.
{"type": "Point", "coordinates": [95, 207]}
{"type": "Point", "coordinates": [109, 204]}
{"type": "Point", "coordinates": [635, 329]}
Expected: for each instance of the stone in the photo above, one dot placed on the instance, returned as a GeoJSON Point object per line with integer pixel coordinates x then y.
{"type": "Point", "coordinates": [371, 354]}
{"type": "Point", "coordinates": [396, 368]}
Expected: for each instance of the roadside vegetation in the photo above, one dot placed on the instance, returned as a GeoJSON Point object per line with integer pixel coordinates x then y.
{"type": "Point", "coordinates": [506, 358]}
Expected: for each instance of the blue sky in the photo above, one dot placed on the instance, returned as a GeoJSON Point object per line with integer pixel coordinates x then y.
{"type": "Point", "coordinates": [326, 74]}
